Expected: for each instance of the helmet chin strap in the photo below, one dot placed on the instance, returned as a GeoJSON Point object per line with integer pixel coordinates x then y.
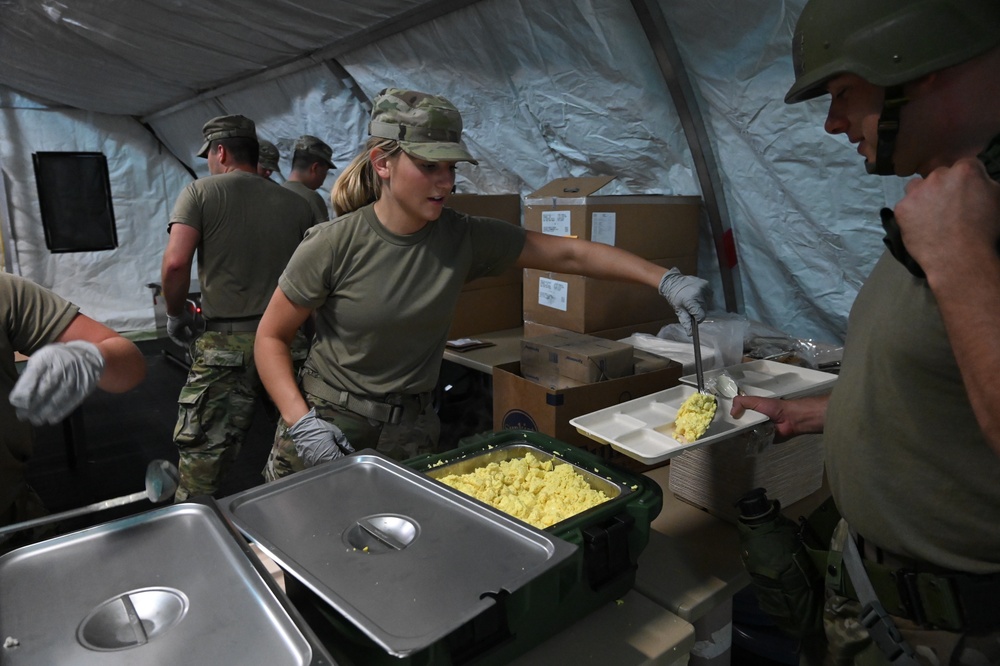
{"type": "Point", "coordinates": [888, 128]}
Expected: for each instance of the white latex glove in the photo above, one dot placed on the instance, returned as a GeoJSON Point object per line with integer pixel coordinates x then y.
{"type": "Point", "coordinates": [687, 294]}
{"type": "Point", "coordinates": [56, 379]}
{"type": "Point", "coordinates": [318, 441]}
{"type": "Point", "coordinates": [182, 328]}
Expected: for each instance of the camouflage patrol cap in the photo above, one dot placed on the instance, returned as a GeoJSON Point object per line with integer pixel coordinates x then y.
{"type": "Point", "coordinates": [315, 148]}
{"type": "Point", "coordinates": [268, 156]}
{"type": "Point", "coordinates": [226, 127]}
{"type": "Point", "coordinates": [427, 126]}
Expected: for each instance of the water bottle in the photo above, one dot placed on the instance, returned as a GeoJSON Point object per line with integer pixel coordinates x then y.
{"type": "Point", "coordinates": [787, 585]}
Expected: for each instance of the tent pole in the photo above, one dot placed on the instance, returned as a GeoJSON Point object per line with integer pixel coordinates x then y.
{"type": "Point", "coordinates": [668, 58]}
{"type": "Point", "coordinates": [9, 261]}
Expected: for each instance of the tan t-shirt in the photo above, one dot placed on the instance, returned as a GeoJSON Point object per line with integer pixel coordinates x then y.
{"type": "Point", "coordinates": [384, 302]}
{"type": "Point", "coordinates": [249, 228]}
{"type": "Point", "coordinates": [907, 462]}
{"type": "Point", "coordinates": [321, 213]}
{"type": "Point", "coordinates": [30, 318]}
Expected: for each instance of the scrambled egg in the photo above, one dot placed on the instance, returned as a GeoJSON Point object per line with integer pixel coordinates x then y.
{"type": "Point", "coordinates": [539, 493]}
{"type": "Point", "coordinates": [694, 417]}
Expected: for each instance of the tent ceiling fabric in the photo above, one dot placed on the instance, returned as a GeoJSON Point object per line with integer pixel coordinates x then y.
{"type": "Point", "coordinates": [547, 89]}
{"type": "Point", "coordinates": [149, 54]}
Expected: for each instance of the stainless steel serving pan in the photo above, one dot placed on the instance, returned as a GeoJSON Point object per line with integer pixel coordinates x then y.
{"type": "Point", "coordinates": [405, 559]}
{"type": "Point", "coordinates": [175, 585]}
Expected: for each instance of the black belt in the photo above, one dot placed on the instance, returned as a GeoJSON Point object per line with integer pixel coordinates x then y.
{"type": "Point", "coordinates": [240, 325]}
{"type": "Point", "coordinates": [385, 412]}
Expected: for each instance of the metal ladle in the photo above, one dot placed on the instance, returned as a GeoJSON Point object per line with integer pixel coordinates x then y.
{"type": "Point", "coordinates": [161, 484]}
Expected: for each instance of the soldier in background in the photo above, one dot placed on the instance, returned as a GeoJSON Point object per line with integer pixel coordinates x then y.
{"type": "Point", "coordinates": [244, 230]}
{"type": "Point", "coordinates": [268, 158]}
{"type": "Point", "coordinates": [311, 162]}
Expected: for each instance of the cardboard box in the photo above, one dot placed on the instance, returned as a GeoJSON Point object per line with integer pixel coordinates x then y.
{"type": "Point", "coordinates": [534, 329]}
{"type": "Point", "coordinates": [549, 377]}
{"type": "Point", "coordinates": [650, 226]}
{"type": "Point", "coordinates": [492, 308]}
{"type": "Point", "coordinates": [492, 303]}
{"type": "Point", "coordinates": [582, 305]}
{"type": "Point", "coordinates": [520, 404]}
{"type": "Point", "coordinates": [644, 361]}
{"type": "Point", "coordinates": [584, 358]}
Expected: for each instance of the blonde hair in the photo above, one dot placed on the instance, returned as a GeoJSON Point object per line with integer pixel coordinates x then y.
{"type": "Point", "coordinates": [358, 185]}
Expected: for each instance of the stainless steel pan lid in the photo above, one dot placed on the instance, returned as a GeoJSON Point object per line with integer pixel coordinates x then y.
{"type": "Point", "coordinates": [169, 586]}
{"type": "Point", "coordinates": [404, 558]}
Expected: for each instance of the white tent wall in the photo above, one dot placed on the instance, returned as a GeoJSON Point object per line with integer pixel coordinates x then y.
{"type": "Point", "coordinates": [551, 89]}
{"type": "Point", "coordinates": [109, 286]}
{"type": "Point", "coordinates": [803, 210]}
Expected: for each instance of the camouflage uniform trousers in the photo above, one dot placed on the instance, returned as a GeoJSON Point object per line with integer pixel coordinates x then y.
{"type": "Point", "coordinates": [416, 434]}
{"type": "Point", "coordinates": [845, 642]}
{"type": "Point", "coordinates": [215, 410]}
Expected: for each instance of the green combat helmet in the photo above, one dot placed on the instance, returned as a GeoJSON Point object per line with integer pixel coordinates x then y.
{"type": "Point", "coordinates": [887, 43]}
{"type": "Point", "coordinates": [427, 127]}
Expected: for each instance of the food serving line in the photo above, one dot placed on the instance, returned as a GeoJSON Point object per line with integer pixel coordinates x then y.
{"type": "Point", "coordinates": [380, 562]}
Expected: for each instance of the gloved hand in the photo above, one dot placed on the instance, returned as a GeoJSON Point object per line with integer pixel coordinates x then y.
{"type": "Point", "coordinates": [56, 379]}
{"type": "Point", "coordinates": [687, 294]}
{"type": "Point", "coordinates": [182, 328]}
{"type": "Point", "coordinates": [318, 441]}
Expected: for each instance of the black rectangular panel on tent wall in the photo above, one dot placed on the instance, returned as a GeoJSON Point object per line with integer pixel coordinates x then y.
{"type": "Point", "coordinates": [74, 195]}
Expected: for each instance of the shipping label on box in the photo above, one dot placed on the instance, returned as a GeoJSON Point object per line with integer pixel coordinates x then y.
{"type": "Point", "coordinates": [556, 223]}
{"type": "Point", "coordinates": [602, 228]}
{"type": "Point", "coordinates": [553, 293]}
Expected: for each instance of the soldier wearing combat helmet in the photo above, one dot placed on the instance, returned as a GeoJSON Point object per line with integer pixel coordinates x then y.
{"type": "Point", "coordinates": [912, 428]}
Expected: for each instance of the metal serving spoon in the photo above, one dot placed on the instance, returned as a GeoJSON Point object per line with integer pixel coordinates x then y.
{"type": "Point", "coordinates": [161, 484]}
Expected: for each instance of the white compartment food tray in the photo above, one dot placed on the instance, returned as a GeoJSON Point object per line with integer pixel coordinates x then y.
{"type": "Point", "coordinates": [641, 428]}
{"type": "Point", "coordinates": [772, 379]}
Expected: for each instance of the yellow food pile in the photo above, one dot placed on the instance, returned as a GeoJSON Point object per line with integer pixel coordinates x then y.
{"type": "Point", "coordinates": [694, 417]}
{"type": "Point", "coordinates": [539, 493]}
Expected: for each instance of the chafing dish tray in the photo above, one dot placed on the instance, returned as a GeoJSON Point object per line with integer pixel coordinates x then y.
{"type": "Point", "coordinates": [403, 558]}
{"type": "Point", "coordinates": [176, 585]}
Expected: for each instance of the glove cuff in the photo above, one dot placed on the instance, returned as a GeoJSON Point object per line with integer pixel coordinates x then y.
{"type": "Point", "coordinates": [305, 418]}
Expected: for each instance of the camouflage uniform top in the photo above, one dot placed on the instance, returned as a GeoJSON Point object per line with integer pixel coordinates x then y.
{"type": "Point", "coordinates": [316, 202]}
{"type": "Point", "coordinates": [30, 318]}
{"type": "Point", "coordinates": [384, 302]}
{"type": "Point", "coordinates": [249, 228]}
